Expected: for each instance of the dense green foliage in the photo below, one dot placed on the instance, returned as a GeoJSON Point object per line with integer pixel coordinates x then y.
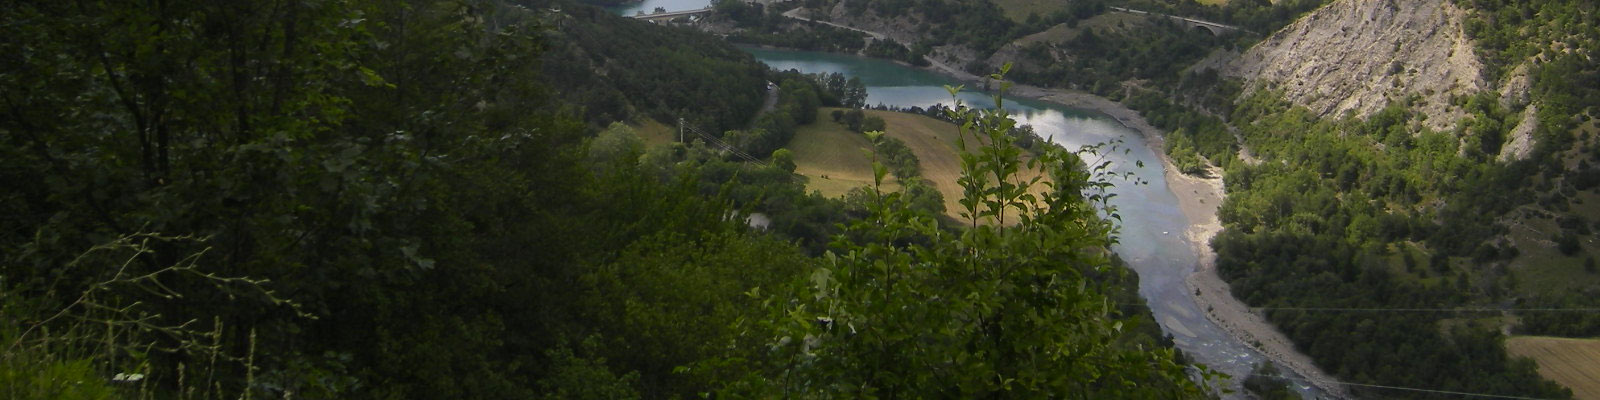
{"type": "Point", "coordinates": [1557, 40]}
{"type": "Point", "coordinates": [1099, 61]}
{"type": "Point", "coordinates": [1191, 134]}
{"type": "Point", "coordinates": [376, 199]}
{"type": "Point", "coordinates": [1379, 213]}
{"type": "Point", "coordinates": [1562, 36]}
{"type": "Point", "coordinates": [760, 25]}
{"type": "Point", "coordinates": [976, 24]}
{"type": "Point", "coordinates": [904, 307]}
{"type": "Point", "coordinates": [347, 152]}
{"type": "Point", "coordinates": [1260, 16]}
{"type": "Point", "coordinates": [619, 69]}
{"type": "Point", "coordinates": [835, 90]}
{"type": "Point", "coordinates": [1264, 383]}
{"type": "Point", "coordinates": [890, 49]}
{"type": "Point", "coordinates": [1326, 221]}
{"type": "Point", "coordinates": [797, 103]}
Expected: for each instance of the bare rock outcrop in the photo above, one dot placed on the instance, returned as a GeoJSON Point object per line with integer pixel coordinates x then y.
{"type": "Point", "coordinates": [1358, 56]}
{"type": "Point", "coordinates": [1521, 144]}
{"type": "Point", "coordinates": [1515, 91]}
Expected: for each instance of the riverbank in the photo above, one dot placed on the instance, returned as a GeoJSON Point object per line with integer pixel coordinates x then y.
{"type": "Point", "coordinates": [1198, 199]}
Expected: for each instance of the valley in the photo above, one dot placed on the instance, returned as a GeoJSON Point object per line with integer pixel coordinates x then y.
{"type": "Point", "coordinates": [1442, 102]}
{"type": "Point", "coordinates": [658, 199]}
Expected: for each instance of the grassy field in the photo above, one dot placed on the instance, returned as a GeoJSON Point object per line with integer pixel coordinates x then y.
{"type": "Point", "coordinates": [933, 141]}
{"type": "Point", "coordinates": [831, 157]}
{"type": "Point", "coordinates": [655, 133]}
{"type": "Point", "coordinates": [1541, 268]}
{"type": "Point", "coordinates": [835, 160]}
{"type": "Point", "coordinates": [1574, 363]}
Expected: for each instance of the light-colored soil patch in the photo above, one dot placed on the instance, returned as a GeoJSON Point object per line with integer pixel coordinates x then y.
{"type": "Point", "coordinates": [1574, 363]}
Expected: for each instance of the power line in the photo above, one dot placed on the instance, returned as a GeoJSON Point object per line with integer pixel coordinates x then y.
{"type": "Point", "coordinates": [1450, 392]}
{"type": "Point", "coordinates": [1390, 387]}
{"type": "Point", "coordinates": [720, 143]}
{"type": "Point", "coordinates": [1350, 309]}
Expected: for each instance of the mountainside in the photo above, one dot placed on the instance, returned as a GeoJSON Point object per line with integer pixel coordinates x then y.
{"type": "Point", "coordinates": [1361, 55]}
{"type": "Point", "coordinates": [1418, 154]}
{"type": "Point", "coordinates": [623, 69]}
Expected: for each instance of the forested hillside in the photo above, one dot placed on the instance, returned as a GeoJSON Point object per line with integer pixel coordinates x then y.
{"type": "Point", "coordinates": [617, 69]}
{"type": "Point", "coordinates": [1368, 213]}
{"type": "Point", "coordinates": [380, 199]}
{"type": "Point", "coordinates": [1414, 155]}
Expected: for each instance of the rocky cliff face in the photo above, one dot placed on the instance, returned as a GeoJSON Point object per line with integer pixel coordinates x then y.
{"type": "Point", "coordinates": [1360, 55]}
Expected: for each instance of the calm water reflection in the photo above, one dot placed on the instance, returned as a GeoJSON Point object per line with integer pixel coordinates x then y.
{"type": "Point", "coordinates": [1151, 241]}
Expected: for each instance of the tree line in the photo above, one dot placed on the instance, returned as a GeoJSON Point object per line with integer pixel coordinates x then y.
{"type": "Point", "coordinates": [369, 199]}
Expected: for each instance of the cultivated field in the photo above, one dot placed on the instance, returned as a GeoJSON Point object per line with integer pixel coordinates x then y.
{"type": "Point", "coordinates": [832, 158]}
{"type": "Point", "coordinates": [1574, 363]}
{"type": "Point", "coordinates": [836, 160]}
{"type": "Point", "coordinates": [933, 141]}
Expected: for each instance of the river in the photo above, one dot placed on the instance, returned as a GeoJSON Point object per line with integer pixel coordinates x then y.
{"type": "Point", "coordinates": [1151, 238]}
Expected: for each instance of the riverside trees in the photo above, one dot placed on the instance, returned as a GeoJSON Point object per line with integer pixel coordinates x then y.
{"type": "Point", "coordinates": [375, 199]}
{"type": "Point", "coordinates": [1011, 307]}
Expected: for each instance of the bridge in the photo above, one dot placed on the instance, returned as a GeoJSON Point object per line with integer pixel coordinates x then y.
{"type": "Point", "coordinates": [1213, 28]}
{"type": "Point", "coordinates": [670, 15]}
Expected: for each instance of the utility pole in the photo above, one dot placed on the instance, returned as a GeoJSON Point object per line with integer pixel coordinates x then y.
{"type": "Point", "coordinates": [680, 130]}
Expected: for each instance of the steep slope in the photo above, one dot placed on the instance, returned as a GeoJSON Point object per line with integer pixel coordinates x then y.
{"type": "Point", "coordinates": [1360, 55]}
{"type": "Point", "coordinates": [618, 68]}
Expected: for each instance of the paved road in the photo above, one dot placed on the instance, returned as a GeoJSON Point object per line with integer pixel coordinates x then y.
{"type": "Point", "coordinates": [795, 13]}
{"type": "Point", "coordinates": [946, 68]}
{"type": "Point", "coordinates": [1185, 19]}
{"type": "Point", "coordinates": [767, 106]}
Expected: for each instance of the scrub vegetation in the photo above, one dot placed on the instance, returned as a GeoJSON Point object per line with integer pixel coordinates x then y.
{"type": "Point", "coordinates": [375, 199]}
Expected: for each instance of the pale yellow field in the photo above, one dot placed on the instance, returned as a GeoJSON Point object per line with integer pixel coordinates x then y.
{"type": "Point", "coordinates": [836, 160]}
{"type": "Point", "coordinates": [1574, 363]}
{"type": "Point", "coordinates": [933, 141]}
{"type": "Point", "coordinates": [832, 158]}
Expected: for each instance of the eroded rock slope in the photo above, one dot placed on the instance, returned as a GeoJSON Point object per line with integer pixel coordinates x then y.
{"type": "Point", "coordinates": [1360, 55]}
